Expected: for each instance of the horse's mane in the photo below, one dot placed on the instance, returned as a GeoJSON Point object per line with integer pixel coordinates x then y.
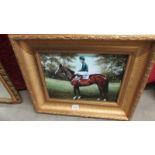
{"type": "Point", "coordinates": [72, 72]}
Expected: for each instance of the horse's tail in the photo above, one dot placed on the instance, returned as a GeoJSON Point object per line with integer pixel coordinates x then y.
{"type": "Point", "coordinates": [106, 86]}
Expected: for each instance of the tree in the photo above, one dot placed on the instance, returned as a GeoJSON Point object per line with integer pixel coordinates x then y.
{"type": "Point", "coordinates": [112, 65]}
{"type": "Point", "coordinates": [50, 63]}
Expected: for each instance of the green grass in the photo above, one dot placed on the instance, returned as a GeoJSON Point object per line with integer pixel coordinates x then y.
{"type": "Point", "coordinates": [63, 89]}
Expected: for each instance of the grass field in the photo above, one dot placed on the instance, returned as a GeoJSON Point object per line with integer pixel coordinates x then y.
{"type": "Point", "coordinates": [63, 89]}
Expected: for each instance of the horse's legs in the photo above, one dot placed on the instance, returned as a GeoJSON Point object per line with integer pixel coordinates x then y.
{"type": "Point", "coordinates": [75, 89]}
{"type": "Point", "coordinates": [101, 94]}
{"type": "Point", "coordinates": [104, 95]}
{"type": "Point", "coordinates": [78, 89]}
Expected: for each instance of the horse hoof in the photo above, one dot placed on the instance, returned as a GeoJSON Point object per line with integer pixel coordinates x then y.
{"type": "Point", "coordinates": [74, 98]}
{"type": "Point", "coordinates": [79, 97]}
{"type": "Point", "coordinates": [98, 99]}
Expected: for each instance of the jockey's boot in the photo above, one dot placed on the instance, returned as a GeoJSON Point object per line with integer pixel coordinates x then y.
{"type": "Point", "coordinates": [77, 77]}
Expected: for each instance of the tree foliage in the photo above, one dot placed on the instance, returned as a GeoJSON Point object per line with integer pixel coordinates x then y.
{"type": "Point", "coordinates": [50, 63]}
{"type": "Point", "coordinates": [112, 65]}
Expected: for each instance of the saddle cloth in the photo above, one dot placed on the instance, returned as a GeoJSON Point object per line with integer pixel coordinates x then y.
{"type": "Point", "coordinates": [84, 75]}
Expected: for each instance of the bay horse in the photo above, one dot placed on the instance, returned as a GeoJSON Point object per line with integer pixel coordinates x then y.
{"type": "Point", "coordinates": [100, 80]}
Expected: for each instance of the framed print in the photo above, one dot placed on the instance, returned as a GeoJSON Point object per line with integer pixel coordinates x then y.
{"type": "Point", "coordinates": [8, 93]}
{"type": "Point", "coordinates": [85, 75]}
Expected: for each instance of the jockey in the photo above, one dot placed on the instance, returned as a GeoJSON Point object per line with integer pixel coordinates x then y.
{"type": "Point", "coordinates": [83, 72]}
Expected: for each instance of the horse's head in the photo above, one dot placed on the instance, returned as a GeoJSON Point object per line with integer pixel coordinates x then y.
{"type": "Point", "coordinates": [60, 69]}
{"type": "Point", "coordinates": [63, 69]}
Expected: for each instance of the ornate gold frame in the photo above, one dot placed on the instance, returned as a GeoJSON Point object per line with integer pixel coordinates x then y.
{"type": "Point", "coordinates": [141, 51]}
{"type": "Point", "coordinates": [15, 97]}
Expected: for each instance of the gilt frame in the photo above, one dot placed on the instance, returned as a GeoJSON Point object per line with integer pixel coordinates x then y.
{"type": "Point", "coordinates": [141, 51]}
{"type": "Point", "coordinates": [14, 95]}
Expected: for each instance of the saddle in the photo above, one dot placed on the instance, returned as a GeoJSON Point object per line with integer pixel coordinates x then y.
{"type": "Point", "coordinates": [83, 82]}
{"type": "Point", "coordinates": [82, 77]}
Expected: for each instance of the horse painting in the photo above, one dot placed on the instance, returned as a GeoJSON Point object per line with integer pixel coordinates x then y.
{"type": "Point", "coordinates": [100, 80]}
